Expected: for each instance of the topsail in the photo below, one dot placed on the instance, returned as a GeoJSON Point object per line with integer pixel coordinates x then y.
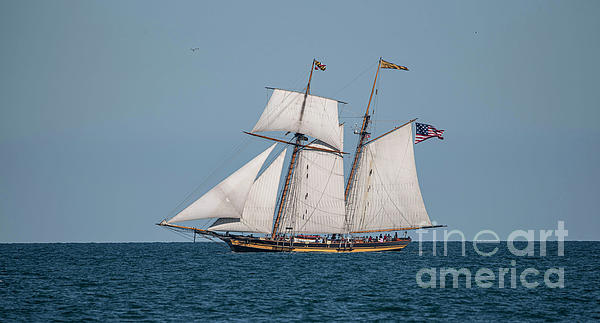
{"type": "Point", "coordinates": [302, 113]}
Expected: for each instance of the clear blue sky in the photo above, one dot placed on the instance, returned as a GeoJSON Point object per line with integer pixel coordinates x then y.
{"type": "Point", "coordinates": [108, 120]}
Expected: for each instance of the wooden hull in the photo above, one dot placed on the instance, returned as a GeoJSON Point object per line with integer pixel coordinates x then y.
{"type": "Point", "coordinates": [249, 244]}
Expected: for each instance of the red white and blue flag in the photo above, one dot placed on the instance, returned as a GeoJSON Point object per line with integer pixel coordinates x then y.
{"type": "Point", "coordinates": [426, 131]}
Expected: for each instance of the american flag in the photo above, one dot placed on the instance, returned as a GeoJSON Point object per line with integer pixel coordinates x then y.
{"type": "Point", "coordinates": [425, 131]}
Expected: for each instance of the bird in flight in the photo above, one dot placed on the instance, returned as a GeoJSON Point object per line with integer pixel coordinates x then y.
{"type": "Point", "coordinates": [195, 49]}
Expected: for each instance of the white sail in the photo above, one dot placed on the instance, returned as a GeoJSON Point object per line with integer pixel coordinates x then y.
{"type": "Point", "coordinates": [227, 199]}
{"type": "Point", "coordinates": [387, 194]}
{"type": "Point", "coordinates": [288, 111]}
{"type": "Point", "coordinates": [260, 205]}
{"type": "Point", "coordinates": [317, 203]}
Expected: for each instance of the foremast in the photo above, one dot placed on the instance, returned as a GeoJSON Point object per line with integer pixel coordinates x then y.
{"type": "Point", "coordinates": [299, 137]}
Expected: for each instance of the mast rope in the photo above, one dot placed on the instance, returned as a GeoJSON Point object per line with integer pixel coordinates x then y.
{"type": "Point", "coordinates": [238, 149]}
{"type": "Point", "coordinates": [348, 109]}
{"type": "Point", "coordinates": [388, 196]}
{"type": "Point", "coordinates": [315, 207]}
{"type": "Point", "coordinates": [375, 105]}
{"type": "Point", "coordinates": [280, 196]}
{"type": "Point", "coordinates": [356, 78]}
{"type": "Point", "coordinates": [181, 233]}
{"type": "Point", "coordinates": [274, 155]}
{"type": "Point", "coordinates": [296, 86]}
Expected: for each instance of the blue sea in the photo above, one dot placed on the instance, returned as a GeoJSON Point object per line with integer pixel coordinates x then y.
{"type": "Point", "coordinates": [207, 282]}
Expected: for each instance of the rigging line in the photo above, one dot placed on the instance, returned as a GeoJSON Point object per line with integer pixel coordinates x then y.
{"type": "Point", "coordinates": [272, 157]}
{"type": "Point", "coordinates": [331, 173]}
{"type": "Point", "coordinates": [285, 204]}
{"type": "Point", "coordinates": [348, 114]}
{"type": "Point", "coordinates": [386, 120]}
{"type": "Point", "coordinates": [280, 108]}
{"type": "Point", "coordinates": [388, 194]}
{"type": "Point", "coordinates": [292, 206]}
{"type": "Point", "coordinates": [280, 188]}
{"type": "Point", "coordinates": [251, 226]}
{"type": "Point", "coordinates": [181, 233]}
{"type": "Point", "coordinates": [219, 167]}
{"type": "Point", "coordinates": [206, 225]}
{"type": "Point", "coordinates": [246, 224]}
{"type": "Point", "coordinates": [316, 208]}
{"type": "Point", "coordinates": [352, 109]}
{"type": "Point", "coordinates": [294, 87]}
{"type": "Point", "coordinates": [368, 68]}
{"type": "Point", "coordinates": [357, 193]}
{"type": "Point", "coordinates": [375, 103]}
{"type": "Point", "coordinates": [376, 215]}
{"type": "Point", "coordinates": [374, 165]}
{"type": "Point", "coordinates": [300, 80]}
{"type": "Point", "coordinates": [322, 194]}
{"type": "Point", "coordinates": [395, 206]}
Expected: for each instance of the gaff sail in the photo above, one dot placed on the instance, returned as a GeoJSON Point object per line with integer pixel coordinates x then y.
{"type": "Point", "coordinates": [387, 194]}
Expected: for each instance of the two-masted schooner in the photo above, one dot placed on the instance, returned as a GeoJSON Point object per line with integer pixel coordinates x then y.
{"type": "Point", "coordinates": [316, 210]}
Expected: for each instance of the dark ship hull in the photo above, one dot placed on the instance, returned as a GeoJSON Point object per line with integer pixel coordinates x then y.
{"type": "Point", "coordinates": [251, 244]}
{"type": "Point", "coordinates": [240, 243]}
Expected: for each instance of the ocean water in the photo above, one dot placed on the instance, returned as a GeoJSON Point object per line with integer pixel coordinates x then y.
{"type": "Point", "coordinates": [206, 281]}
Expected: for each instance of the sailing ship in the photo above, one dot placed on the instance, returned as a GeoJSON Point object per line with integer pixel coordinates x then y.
{"type": "Point", "coordinates": [316, 210]}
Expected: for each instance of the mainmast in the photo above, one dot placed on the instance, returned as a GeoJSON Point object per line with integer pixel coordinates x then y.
{"type": "Point", "coordinates": [299, 137]}
{"type": "Point", "coordinates": [363, 135]}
